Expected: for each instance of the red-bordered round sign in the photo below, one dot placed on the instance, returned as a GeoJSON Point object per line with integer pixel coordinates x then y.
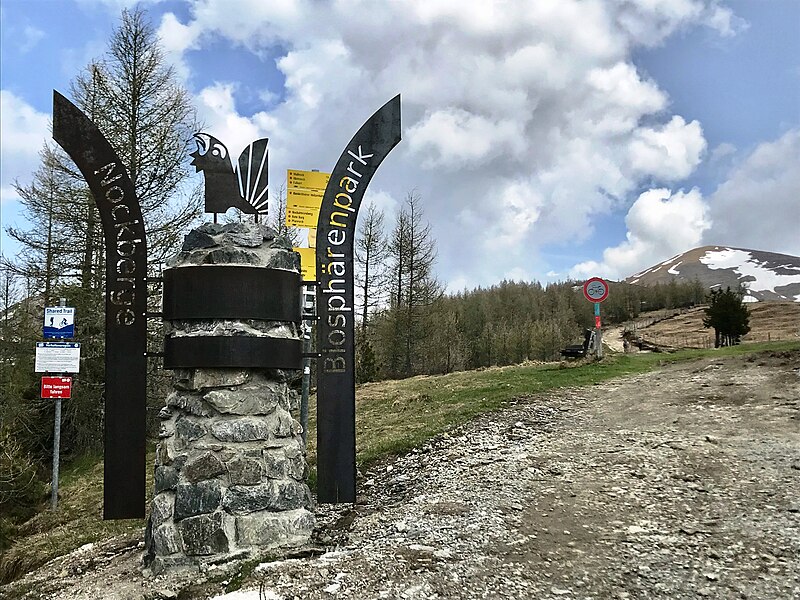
{"type": "Point", "coordinates": [595, 289]}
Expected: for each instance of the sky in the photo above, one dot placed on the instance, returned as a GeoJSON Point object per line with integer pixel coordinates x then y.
{"type": "Point", "coordinates": [547, 139]}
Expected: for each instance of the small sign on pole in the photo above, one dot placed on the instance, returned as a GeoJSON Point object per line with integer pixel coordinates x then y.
{"type": "Point", "coordinates": [596, 290]}
{"type": "Point", "coordinates": [56, 387]}
{"type": "Point", "coordinates": [59, 322]}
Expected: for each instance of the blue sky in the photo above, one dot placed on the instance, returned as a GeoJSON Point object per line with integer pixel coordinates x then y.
{"type": "Point", "coordinates": [547, 139]}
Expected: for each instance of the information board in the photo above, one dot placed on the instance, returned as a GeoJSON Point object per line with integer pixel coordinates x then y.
{"type": "Point", "coordinates": [58, 357]}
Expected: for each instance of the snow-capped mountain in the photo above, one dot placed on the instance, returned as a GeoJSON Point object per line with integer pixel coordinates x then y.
{"type": "Point", "coordinates": [766, 275]}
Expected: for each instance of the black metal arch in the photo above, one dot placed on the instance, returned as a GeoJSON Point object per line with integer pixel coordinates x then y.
{"type": "Point", "coordinates": [336, 228]}
{"type": "Point", "coordinates": [126, 302]}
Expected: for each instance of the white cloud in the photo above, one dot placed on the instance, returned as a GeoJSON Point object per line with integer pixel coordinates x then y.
{"type": "Point", "coordinates": [670, 152]}
{"type": "Point", "coordinates": [758, 206]}
{"type": "Point", "coordinates": [31, 37]}
{"type": "Point", "coordinates": [23, 131]}
{"type": "Point", "coordinates": [523, 121]}
{"type": "Point", "coordinates": [455, 138]}
{"type": "Point", "coordinates": [723, 20]}
{"type": "Point", "coordinates": [660, 224]}
{"type": "Point", "coordinates": [217, 109]}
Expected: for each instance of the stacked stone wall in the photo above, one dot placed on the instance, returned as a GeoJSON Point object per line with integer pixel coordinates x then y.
{"type": "Point", "coordinates": [230, 472]}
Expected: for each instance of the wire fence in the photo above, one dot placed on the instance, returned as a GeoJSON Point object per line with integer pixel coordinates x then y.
{"type": "Point", "coordinates": [672, 340]}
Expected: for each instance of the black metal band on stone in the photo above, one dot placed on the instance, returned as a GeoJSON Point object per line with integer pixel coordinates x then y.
{"type": "Point", "coordinates": [244, 352]}
{"type": "Point", "coordinates": [231, 292]}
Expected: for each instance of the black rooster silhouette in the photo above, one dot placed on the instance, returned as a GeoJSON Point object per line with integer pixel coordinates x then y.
{"type": "Point", "coordinates": [244, 187]}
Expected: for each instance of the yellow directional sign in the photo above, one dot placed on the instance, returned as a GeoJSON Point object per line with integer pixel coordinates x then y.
{"type": "Point", "coordinates": [307, 179]}
{"type": "Point", "coordinates": [304, 197]}
{"type": "Point", "coordinates": [308, 263]}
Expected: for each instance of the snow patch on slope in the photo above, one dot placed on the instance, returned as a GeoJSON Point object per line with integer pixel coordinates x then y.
{"type": "Point", "coordinates": [743, 264]}
{"type": "Point", "coordinates": [673, 269]}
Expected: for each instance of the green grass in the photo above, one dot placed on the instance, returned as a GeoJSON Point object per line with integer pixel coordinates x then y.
{"type": "Point", "coordinates": [392, 417]}
{"type": "Point", "coordinates": [77, 520]}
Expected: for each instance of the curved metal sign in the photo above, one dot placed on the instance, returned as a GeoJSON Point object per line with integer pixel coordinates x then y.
{"type": "Point", "coordinates": [126, 302]}
{"type": "Point", "coordinates": [336, 230]}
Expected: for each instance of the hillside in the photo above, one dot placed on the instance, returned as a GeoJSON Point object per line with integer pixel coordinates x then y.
{"type": "Point", "coordinates": [768, 276]}
{"type": "Point", "coordinates": [769, 322]}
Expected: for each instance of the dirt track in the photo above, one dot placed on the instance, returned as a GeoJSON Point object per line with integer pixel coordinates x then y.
{"type": "Point", "coordinates": [682, 483]}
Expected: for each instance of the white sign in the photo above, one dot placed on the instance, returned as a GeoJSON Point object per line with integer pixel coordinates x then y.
{"type": "Point", "coordinates": [58, 357]}
{"type": "Point", "coordinates": [59, 322]}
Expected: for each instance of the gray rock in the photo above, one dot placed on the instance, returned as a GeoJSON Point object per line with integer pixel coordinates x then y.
{"type": "Point", "coordinates": [204, 467]}
{"type": "Point", "coordinates": [161, 564]}
{"type": "Point", "coordinates": [166, 540]}
{"type": "Point", "coordinates": [167, 455]}
{"type": "Point", "coordinates": [244, 471]}
{"type": "Point", "coordinates": [269, 530]}
{"type": "Point", "coordinates": [275, 463]}
{"type": "Point", "coordinates": [242, 234]}
{"type": "Point", "coordinates": [163, 508]}
{"type": "Point", "coordinates": [285, 425]}
{"type": "Point", "coordinates": [165, 478]}
{"type": "Point", "coordinates": [291, 495]}
{"type": "Point", "coordinates": [296, 466]}
{"type": "Point", "coordinates": [268, 233]}
{"type": "Point", "coordinates": [197, 498]}
{"type": "Point", "coordinates": [189, 430]}
{"type": "Point", "coordinates": [280, 242]}
{"type": "Point", "coordinates": [211, 228]}
{"type": "Point", "coordinates": [272, 496]}
{"type": "Point", "coordinates": [189, 403]}
{"type": "Point", "coordinates": [250, 429]}
{"type": "Point", "coordinates": [294, 399]}
{"type": "Point", "coordinates": [282, 259]}
{"type": "Point", "coordinates": [291, 376]}
{"type": "Point", "coordinates": [247, 400]}
{"type": "Point", "coordinates": [226, 256]}
{"type": "Point", "coordinates": [250, 498]}
{"type": "Point", "coordinates": [204, 534]}
{"type": "Point", "coordinates": [197, 239]}
{"type": "Point", "coordinates": [201, 379]}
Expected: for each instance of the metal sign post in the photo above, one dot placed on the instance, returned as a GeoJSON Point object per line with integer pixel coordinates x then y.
{"type": "Point", "coordinates": [58, 387]}
{"type": "Point", "coordinates": [596, 290]}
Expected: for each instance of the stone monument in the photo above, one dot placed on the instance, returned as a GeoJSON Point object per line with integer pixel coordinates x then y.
{"type": "Point", "coordinates": [230, 472]}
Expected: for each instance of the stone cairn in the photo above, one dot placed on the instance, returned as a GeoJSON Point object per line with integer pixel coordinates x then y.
{"type": "Point", "coordinates": [230, 471]}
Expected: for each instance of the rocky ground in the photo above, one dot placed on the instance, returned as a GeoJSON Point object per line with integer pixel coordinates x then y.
{"type": "Point", "coordinates": [681, 483]}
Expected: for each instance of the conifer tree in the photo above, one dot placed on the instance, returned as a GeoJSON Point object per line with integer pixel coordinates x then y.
{"type": "Point", "coordinates": [135, 99]}
{"type": "Point", "coordinates": [728, 315]}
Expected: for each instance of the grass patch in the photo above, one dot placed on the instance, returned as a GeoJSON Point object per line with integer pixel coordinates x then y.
{"type": "Point", "coordinates": [78, 520]}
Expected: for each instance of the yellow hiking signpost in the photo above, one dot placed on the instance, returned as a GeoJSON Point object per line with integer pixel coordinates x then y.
{"type": "Point", "coordinates": [303, 198]}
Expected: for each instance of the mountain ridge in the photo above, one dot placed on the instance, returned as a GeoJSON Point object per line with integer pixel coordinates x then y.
{"type": "Point", "coordinates": [767, 276]}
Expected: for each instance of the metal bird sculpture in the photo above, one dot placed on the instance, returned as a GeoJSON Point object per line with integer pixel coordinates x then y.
{"type": "Point", "coordinates": [243, 187]}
